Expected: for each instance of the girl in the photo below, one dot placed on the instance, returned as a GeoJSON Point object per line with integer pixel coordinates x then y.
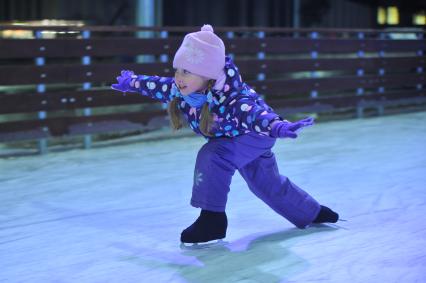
{"type": "Point", "coordinates": [240, 128]}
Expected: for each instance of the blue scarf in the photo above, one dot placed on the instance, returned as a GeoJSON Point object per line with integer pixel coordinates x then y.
{"type": "Point", "coordinates": [197, 99]}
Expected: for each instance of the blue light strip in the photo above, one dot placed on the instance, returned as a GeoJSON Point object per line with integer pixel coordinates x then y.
{"type": "Point", "coordinates": [86, 60]}
{"type": "Point", "coordinates": [41, 88]}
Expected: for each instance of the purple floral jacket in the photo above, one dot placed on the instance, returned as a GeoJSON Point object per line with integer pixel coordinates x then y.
{"type": "Point", "coordinates": [237, 109]}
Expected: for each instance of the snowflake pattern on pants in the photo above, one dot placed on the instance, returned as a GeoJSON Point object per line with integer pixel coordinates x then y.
{"type": "Point", "coordinates": [198, 177]}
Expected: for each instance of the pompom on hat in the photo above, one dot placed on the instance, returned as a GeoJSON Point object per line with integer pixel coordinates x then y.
{"type": "Point", "coordinates": [202, 53]}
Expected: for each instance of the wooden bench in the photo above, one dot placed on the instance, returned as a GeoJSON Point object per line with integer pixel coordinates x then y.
{"type": "Point", "coordinates": [63, 82]}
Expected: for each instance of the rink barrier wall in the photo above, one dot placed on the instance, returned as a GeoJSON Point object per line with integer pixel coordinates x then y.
{"type": "Point", "coordinates": [64, 75]}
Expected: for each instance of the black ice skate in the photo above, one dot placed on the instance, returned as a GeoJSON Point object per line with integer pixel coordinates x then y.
{"type": "Point", "coordinates": [209, 226]}
{"type": "Point", "coordinates": [326, 215]}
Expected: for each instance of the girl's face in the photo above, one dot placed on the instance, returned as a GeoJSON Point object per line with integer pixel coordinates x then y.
{"type": "Point", "coordinates": [188, 82]}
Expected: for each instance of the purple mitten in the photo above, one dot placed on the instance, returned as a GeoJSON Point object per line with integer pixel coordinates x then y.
{"type": "Point", "coordinates": [124, 81]}
{"type": "Point", "coordinates": [285, 129]}
{"type": "Point", "coordinates": [309, 121]}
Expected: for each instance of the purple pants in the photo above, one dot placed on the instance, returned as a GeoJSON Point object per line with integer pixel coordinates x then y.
{"type": "Point", "coordinates": [251, 155]}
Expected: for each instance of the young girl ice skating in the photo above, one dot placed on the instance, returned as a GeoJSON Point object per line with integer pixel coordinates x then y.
{"type": "Point", "coordinates": [241, 130]}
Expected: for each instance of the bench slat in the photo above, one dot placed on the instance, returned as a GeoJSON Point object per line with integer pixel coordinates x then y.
{"type": "Point", "coordinates": [68, 126]}
{"type": "Point", "coordinates": [129, 46]}
{"type": "Point", "coordinates": [98, 73]}
{"type": "Point", "coordinates": [66, 100]}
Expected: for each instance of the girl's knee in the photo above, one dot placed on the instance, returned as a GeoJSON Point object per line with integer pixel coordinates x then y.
{"type": "Point", "coordinates": [216, 154]}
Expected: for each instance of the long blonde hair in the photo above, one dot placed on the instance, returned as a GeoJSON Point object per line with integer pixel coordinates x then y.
{"type": "Point", "coordinates": [206, 118]}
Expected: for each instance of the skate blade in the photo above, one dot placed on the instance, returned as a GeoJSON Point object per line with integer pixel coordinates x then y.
{"type": "Point", "coordinates": [201, 246]}
{"type": "Point", "coordinates": [329, 225]}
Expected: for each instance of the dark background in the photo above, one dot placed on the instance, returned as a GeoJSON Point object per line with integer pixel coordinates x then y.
{"type": "Point", "coordinates": [272, 13]}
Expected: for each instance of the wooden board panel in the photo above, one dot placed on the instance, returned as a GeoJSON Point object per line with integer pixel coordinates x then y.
{"type": "Point", "coordinates": [106, 73]}
{"type": "Point", "coordinates": [72, 48]}
{"type": "Point", "coordinates": [67, 100]}
{"type": "Point", "coordinates": [62, 126]}
{"type": "Point", "coordinates": [285, 87]}
{"type": "Point", "coordinates": [129, 46]}
{"type": "Point", "coordinates": [277, 66]}
{"type": "Point", "coordinates": [73, 73]}
{"type": "Point", "coordinates": [343, 101]}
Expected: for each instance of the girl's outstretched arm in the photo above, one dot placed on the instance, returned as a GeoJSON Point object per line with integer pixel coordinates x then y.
{"type": "Point", "coordinates": [286, 129]}
{"type": "Point", "coordinates": [253, 116]}
{"type": "Point", "coordinates": [159, 88]}
{"type": "Point", "coordinates": [256, 116]}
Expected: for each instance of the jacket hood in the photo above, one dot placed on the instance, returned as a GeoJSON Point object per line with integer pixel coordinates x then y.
{"type": "Point", "coordinates": [233, 79]}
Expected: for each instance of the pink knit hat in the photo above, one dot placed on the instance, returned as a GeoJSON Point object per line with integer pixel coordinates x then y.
{"type": "Point", "coordinates": [202, 53]}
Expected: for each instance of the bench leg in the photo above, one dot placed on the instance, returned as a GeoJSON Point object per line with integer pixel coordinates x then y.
{"type": "Point", "coordinates": [381, 110]}
{"type": "Point", "coordinates": [359, 112]}
{"type": "Point", "coordinates": [42, 146]}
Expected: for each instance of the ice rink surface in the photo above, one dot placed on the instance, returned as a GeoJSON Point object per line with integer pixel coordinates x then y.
{"type": "Point", "coordinates": [114, 214]}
